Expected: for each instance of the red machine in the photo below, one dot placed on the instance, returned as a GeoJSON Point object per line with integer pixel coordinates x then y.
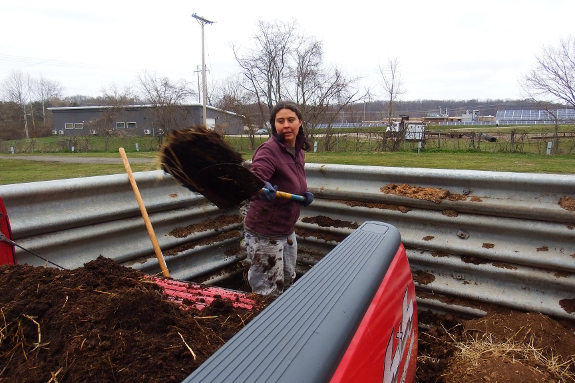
{"type": "Point", "coordinates": [386, 336]}
{"type": "Point", "coordinates": [7, 253]}
{"type": "Point", "coordinates": [350, 318]}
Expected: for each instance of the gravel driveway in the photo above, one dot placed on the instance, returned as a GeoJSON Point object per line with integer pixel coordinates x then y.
{"type": "Point", "coordinates": [78, 160]}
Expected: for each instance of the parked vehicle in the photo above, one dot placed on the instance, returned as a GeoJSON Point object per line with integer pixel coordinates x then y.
{"type": "Point", "coordinates": [262, 131]}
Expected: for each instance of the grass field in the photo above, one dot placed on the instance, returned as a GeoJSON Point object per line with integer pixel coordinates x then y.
{"type": "Point", "coordinates": [19, 171]}
{"type": "Point", "coordinates": [364, 147]}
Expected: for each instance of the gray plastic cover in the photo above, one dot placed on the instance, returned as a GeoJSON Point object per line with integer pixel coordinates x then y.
{"type": "Point", "coordinates": [302, 336]}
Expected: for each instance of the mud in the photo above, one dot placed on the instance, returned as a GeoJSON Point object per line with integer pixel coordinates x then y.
{"type": "Point", "coordinates": [567, 203]}
{"type": "Point", "coordinates": [327, 237]}
{"type": "Point", "coordinates": [323, 221]}
{"type": "Point", "coordinates": [202, 242]}
{"type": "Point", "coordinates": [450, 213]}
{"type": "Point", "coordinates": [209, 224]}
{"type": "Point", "coordinates": [435, 195]}
{"type": "Point", "coordinates": [373, 205]}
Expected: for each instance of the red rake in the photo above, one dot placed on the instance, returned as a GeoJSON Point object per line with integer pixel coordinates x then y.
{"type": "Point", "coordinates": [201, 296]}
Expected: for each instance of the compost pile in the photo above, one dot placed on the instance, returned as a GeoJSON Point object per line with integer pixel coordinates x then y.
{"type": "Point", "coordinates": [104, 323]}
{"type": "Point", "coordinates": [107, 323]}
{"type": "Point", "coordinates": [505, 346]}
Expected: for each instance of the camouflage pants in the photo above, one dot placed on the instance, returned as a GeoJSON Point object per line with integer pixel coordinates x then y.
{"type": "Point", "coordinates": [273, 261]}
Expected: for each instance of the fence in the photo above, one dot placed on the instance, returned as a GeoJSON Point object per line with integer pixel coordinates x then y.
{"type": "Point", "coordinates": [514, 142]}
{"type": "Point", "coordinates": [473, 238]}
{"type": "Point", "coordinates": [517, 141]}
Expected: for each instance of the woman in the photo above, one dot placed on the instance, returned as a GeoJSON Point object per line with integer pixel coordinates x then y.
{"type": "Point", "coordinates": [270, 223]}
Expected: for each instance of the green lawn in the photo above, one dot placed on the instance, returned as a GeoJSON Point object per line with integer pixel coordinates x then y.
{"type": "Point", "coordinates": [19, 171]}
{"type": "Point", "coordinates": [503, 162]}
{"type": "Point", "coordinates": [353, 149]}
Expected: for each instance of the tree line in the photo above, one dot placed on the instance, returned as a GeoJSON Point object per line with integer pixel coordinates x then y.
{"type": "Point", "coordinates": [280, 62]}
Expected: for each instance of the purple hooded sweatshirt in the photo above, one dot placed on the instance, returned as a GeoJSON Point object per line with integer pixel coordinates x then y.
{"type": "Point", "coordinates": [274, 163]}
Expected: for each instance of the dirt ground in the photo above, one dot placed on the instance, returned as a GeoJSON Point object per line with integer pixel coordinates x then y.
{"type": "Point", "coordinates": [106, 323]}
{"type": "Point", "coordinates": [504, 346]}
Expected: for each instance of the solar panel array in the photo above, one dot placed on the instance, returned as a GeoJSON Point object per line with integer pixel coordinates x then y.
{"type": "Point", "coordinates": [503, 116]}
{"type": "Point", "coordinates": [509, 117]}
{"type": "Point", "coordinates": [352, 125]}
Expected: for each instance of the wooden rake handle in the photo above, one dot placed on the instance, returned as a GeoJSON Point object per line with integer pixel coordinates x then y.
{"type": "Point", "coordinates": [149, 227]}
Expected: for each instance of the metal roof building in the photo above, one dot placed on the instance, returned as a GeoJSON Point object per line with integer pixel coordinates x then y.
{"type": "Point", "coordinates": [140, 120]}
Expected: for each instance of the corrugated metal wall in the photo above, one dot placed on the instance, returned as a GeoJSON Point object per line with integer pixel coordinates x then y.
{"type": "Point", "coordinates": [473, 238]}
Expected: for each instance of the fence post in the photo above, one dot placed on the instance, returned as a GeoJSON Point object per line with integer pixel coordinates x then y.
{"type": "Point", "coordinates": [512, 141]}
{"type": "Point", "coordinates": [438, 139]}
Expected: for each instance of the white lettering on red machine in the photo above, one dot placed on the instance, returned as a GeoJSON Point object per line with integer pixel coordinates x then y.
{"type": "Point", "coordinates": [404, 336]}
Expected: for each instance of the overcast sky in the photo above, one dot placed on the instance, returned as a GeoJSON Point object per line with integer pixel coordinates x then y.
{"type": "Point", "coordinates": [448, 50]}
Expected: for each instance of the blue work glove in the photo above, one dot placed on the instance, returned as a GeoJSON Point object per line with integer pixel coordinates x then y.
{"type": "Point", "coordinates": [308, 199]}
{"type": "Point", "coordinates": [271, 193]}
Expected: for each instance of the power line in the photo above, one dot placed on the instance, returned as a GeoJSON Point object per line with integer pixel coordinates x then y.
{"type": "Point", "coordinates": [68, 64]}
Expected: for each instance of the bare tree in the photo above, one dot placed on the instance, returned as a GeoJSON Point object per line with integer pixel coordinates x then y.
{"type": "Point", "coordinates": [265, 67]}
{"type": "Point", "coordinates": [321, 91]}
{"type": "Point", "coordinates": [115, 96]}
{"type": "Point", "coordinates": [10, 116]}
{"type": "Point", "coordinates": [331, 93]}
{"type": "Point", "coordinates": [43, 90]}
{"type": "Point", "coordinates": [392, 85]}
{"type": "Point", "coordinates": [550, 84]}
{"type": "Point", "coordinates": [284, 64]}
{"type": "Point", "coordinates": [231, 96]}
{"type": "Point", "coordinates": [114, 102]}
{"type": "Point", "coordinates": [307, 71]}
{"type": "Point", "coordinates": [16, 89]}
{"type": "Point", "coordinates": [552, 79]}
{"type": "Point", "coordinates": [167, 99]}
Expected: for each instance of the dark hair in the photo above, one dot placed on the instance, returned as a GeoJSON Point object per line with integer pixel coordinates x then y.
{"type": "Point", "coordinates": [294, 108]}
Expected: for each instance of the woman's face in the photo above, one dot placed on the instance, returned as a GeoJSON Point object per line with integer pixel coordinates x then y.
{"type": "Point", "coordinates": [288, 123]}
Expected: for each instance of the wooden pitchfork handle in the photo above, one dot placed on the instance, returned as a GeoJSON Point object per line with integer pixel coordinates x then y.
{"type": "Point", "coordinates": [149, 227]}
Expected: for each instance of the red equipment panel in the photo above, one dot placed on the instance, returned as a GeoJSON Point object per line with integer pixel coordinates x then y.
{"type": "Point", "coordinates": [351, 318]}
{"type": "Point", "coordinates": [7, 254]}
{"type": "Point", "coordinates": [384, 347]}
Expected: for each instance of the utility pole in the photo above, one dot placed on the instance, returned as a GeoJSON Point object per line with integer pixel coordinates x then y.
{"type": "Point", "coordinates": [198, 71]}
{"type": "Point", "coordinates": [203, 22]}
